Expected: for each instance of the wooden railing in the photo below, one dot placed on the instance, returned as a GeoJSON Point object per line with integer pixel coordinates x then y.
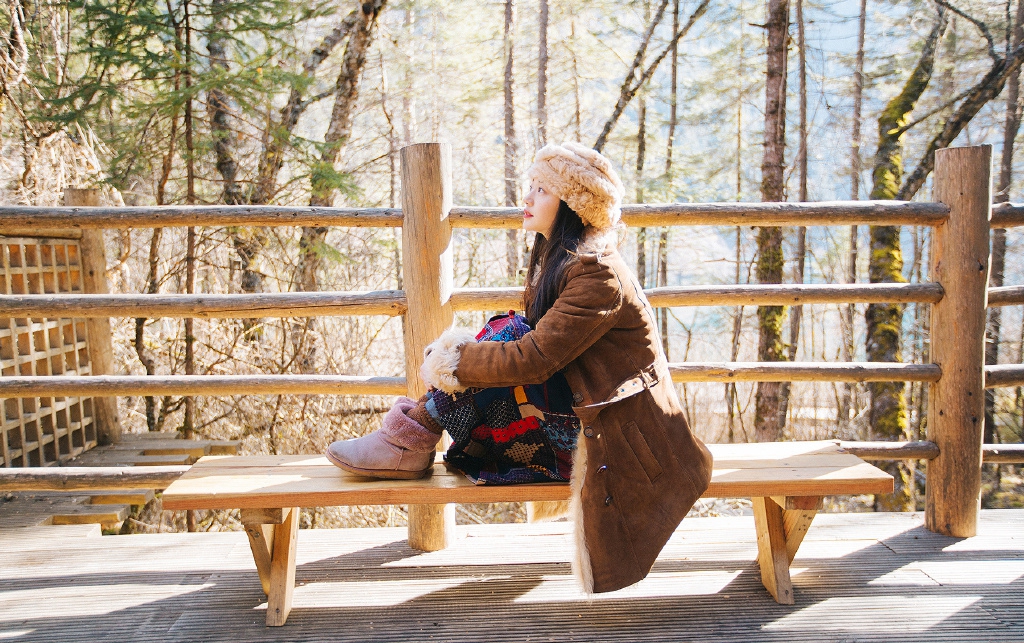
{"type": "Point", "coordinates": [961, 217]}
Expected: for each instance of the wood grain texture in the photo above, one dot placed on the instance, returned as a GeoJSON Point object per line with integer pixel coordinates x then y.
{"type": "Point", "coordinates": [101, 351]}
{"type": "Point", "coordinates": [795, 523]}
{"type": "Point", "coordinates": [802, 372]}
{"type": "Point", "coordinates": [1004, 375]}
{"type": "Point", "coordinates": [166, 216]}
{"type": "Point", "coordinates": [429, 281]}
{"type": "Point", "coordinates": [741, 470]}
{"type": "Point", "coordinates": [282, 569]}
{"type": "Point", "coordinates": [290, 304]}
{"type": "Point", "coordinates": [466, 299]}
{"type": "Point", "coordinates": [1006, 296]}
{"type": "Point", "coordinates": [83, 478]}
{"type": "Point", "coordinates": [1007, 215]}
{"type": "Point", "coordinates": [960, 262]}
{"type": "Point", "coordinates": [916, 450]}
{"type": "Point", "coordinates": [261, 542]}
{"type": "Point", "coordinates": [117, 385]}
{"type": "Point", "coordinates": [736, 214]}
{"type": "Point", "coordinates": [858, 577]}
{"type": "Point", "coordinates": [772, 557]}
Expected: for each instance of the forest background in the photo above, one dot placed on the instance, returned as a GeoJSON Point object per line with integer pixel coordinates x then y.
{"type": "Point", "coordinates": [277, 102]}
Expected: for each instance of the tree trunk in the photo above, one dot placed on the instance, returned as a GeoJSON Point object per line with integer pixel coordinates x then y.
{"type": "Point", "coordinates": [796, 313]}
{"type": "Point", "coordinates": [641, 152]}
{"type": "Point", "coordinates": [542, 76]}
{"type": "Point", "coordinates": [278, 135]}
{"type": "Point", "coordinates": [663, 238]}
{"type": "Point", "coordinates": [848, 401]}
{"type": "Point", "coordinates": [1002, 195]}
{"type": "Point", "coordinates": [731, 400]}
{"type": "Point", "coordinates": [637, 75]}
{"type": "Point", "coordinates": [885, 321]}
{"type": "Point", "coordinates": [324, 180]}
{"type": "Point", "coordinates": [511, 152]}
{"type": "Point", "coordinates": [768, 419]}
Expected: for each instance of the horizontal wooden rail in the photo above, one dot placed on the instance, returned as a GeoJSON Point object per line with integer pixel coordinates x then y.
{"type": "Point", "coordinates": [115, 385]}
{"type": "Point", "coordinates": [1002, 453]}
{"type": "Point", "coordinates": [1007, 215]}
{"type": "Point", "coordinates": [730, 214]}
{"type": "Point", "coordinates": [1004, 375]}
{"type": "Point", "coordinates": [928, 450]}
{"type": "Point", "coordinates": [393, 302]}
{"type": "Point", "coordinates": [803, 372]}
{"type": "Point", "coordinates": [737, 214]}
{"type": "Point", "coordinates": [467, 299]}
{"type": "Point", "coordinates": [1006, 296]}
{"type": "Point", "coordinates": [919, 450]}
{"type": "Point", "coordinates": [82, 478]}
{"type": "Point", "coordinates": [25, 216]}
{"type": "Point", "coordinates": [304, 304]}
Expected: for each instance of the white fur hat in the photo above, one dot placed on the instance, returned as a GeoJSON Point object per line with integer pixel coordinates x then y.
{"type": "Point", "coordinates": [583, 178]}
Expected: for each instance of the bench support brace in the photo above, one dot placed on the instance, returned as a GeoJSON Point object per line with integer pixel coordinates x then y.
{"type": "Point", "coordinates": [781, 524]}
{"type": "Point", "coordinates": [272, 537]}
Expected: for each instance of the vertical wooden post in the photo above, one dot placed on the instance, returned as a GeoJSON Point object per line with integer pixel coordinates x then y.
{"type": "Point", "coordinates": [94, 280]}
{"type": "Point", "coordinates": [956, 403]}
{"type": "Point", "coordinates": [429, 281]}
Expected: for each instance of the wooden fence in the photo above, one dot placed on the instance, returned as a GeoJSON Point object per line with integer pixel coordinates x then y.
{"type": "Point", "coordinates": [961, 217]}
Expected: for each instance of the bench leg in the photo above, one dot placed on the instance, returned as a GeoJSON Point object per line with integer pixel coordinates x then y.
{"type": "Point", "coordinates": [261, 541]}
{"type": "Point", "coordinates": [282, 569]}
{"type": "Point", "coordinates": [431, 527]}
{"type": "Point", "coordinates": [272, 536]}
{"type": "Point", "coordinates": [779, 534]}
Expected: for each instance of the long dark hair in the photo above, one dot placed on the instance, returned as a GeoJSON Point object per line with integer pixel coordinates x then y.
{"type": "Point", "coordinates": [551, 257]}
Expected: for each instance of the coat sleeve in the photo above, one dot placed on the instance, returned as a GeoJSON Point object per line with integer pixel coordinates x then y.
{"type": "Point", "coordinates": [584, 310]}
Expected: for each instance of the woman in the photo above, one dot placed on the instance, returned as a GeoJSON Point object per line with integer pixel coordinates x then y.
{"type": "Point", "coordinates": [637, 468]}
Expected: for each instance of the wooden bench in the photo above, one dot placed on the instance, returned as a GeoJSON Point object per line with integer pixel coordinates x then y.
{"type": "Point", "coordinates": [785, 480]}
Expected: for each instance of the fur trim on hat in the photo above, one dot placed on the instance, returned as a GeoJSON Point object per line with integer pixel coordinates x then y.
{"type": "Point", "coordinates": [441, 358]}
{"type": "Point", "coordinates": [403, 431]}
{"type": "Point", "coordinates": [583, 178]}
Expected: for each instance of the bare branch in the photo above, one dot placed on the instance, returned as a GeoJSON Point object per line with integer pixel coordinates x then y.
{"type": "Point", "coordinates": [917, 121]}
{"type": "Point", "coordinates": [629, 89]}
{"type": "Point", "coordinates": [985, 90]}
{"type": "Point", "coordinates": [982, 27]}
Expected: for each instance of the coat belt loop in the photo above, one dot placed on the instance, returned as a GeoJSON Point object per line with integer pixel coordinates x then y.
{"type": "Point", "coordinates": [649, 376]}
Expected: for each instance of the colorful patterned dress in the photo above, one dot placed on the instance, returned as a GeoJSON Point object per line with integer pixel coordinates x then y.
{"type": "Point", "coordinates": [512, 434]}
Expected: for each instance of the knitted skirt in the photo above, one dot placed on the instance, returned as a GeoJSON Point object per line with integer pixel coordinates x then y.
{"type": "Point", "coordinates": [509, 435]}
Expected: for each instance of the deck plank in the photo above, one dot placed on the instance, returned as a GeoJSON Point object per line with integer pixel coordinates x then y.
{"type": "Point", "coordinates": [855, 576]}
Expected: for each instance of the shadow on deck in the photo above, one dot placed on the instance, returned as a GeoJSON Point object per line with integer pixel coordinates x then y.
{"type": "Point", "coordinates": [863, 577]}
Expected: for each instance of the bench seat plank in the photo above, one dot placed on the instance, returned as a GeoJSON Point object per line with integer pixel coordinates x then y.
{"type": "Point", "coordinates": [234, 482]}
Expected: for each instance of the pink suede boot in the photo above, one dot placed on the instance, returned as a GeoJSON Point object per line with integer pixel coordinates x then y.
{"type": "Point", "coordinates": [401, 449]}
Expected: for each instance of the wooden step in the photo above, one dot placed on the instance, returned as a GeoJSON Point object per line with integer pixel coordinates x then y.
{"type": "Point", "coordinates": [28, 510]}
{"type": "Point", "coordinates": [129, 459]}
{"type": "Point", "coordinates": [110, 496]}
{"type": "Point", "coordinates": [13, 535]}
{"type": "Point", "coordinates": [107, 516]}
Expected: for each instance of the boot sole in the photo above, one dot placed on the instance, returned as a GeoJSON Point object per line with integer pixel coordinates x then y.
{"type": "Point", "coordinates": [379, 473]}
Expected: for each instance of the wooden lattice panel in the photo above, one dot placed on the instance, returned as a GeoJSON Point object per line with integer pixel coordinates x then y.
{"type": "Point", "coordinates": [43, 431]}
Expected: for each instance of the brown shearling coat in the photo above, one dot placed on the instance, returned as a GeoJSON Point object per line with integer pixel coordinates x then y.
{"type": "Point", "coordinates": [638, 468]}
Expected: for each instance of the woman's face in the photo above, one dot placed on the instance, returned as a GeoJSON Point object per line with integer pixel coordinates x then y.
{"type": "Point", "coordinates": [541, 209]}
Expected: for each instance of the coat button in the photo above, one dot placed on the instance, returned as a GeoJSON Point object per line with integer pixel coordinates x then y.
{"type": "Point", "coordinates": [607, 501]}
{"type": "Point", "coordinates": [577, 398]}
{"type": "Point", "coordinates": [589, 432]}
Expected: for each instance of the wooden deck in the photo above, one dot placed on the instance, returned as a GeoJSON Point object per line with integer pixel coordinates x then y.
{"type": "Point", "coordinates": [858, 577]}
